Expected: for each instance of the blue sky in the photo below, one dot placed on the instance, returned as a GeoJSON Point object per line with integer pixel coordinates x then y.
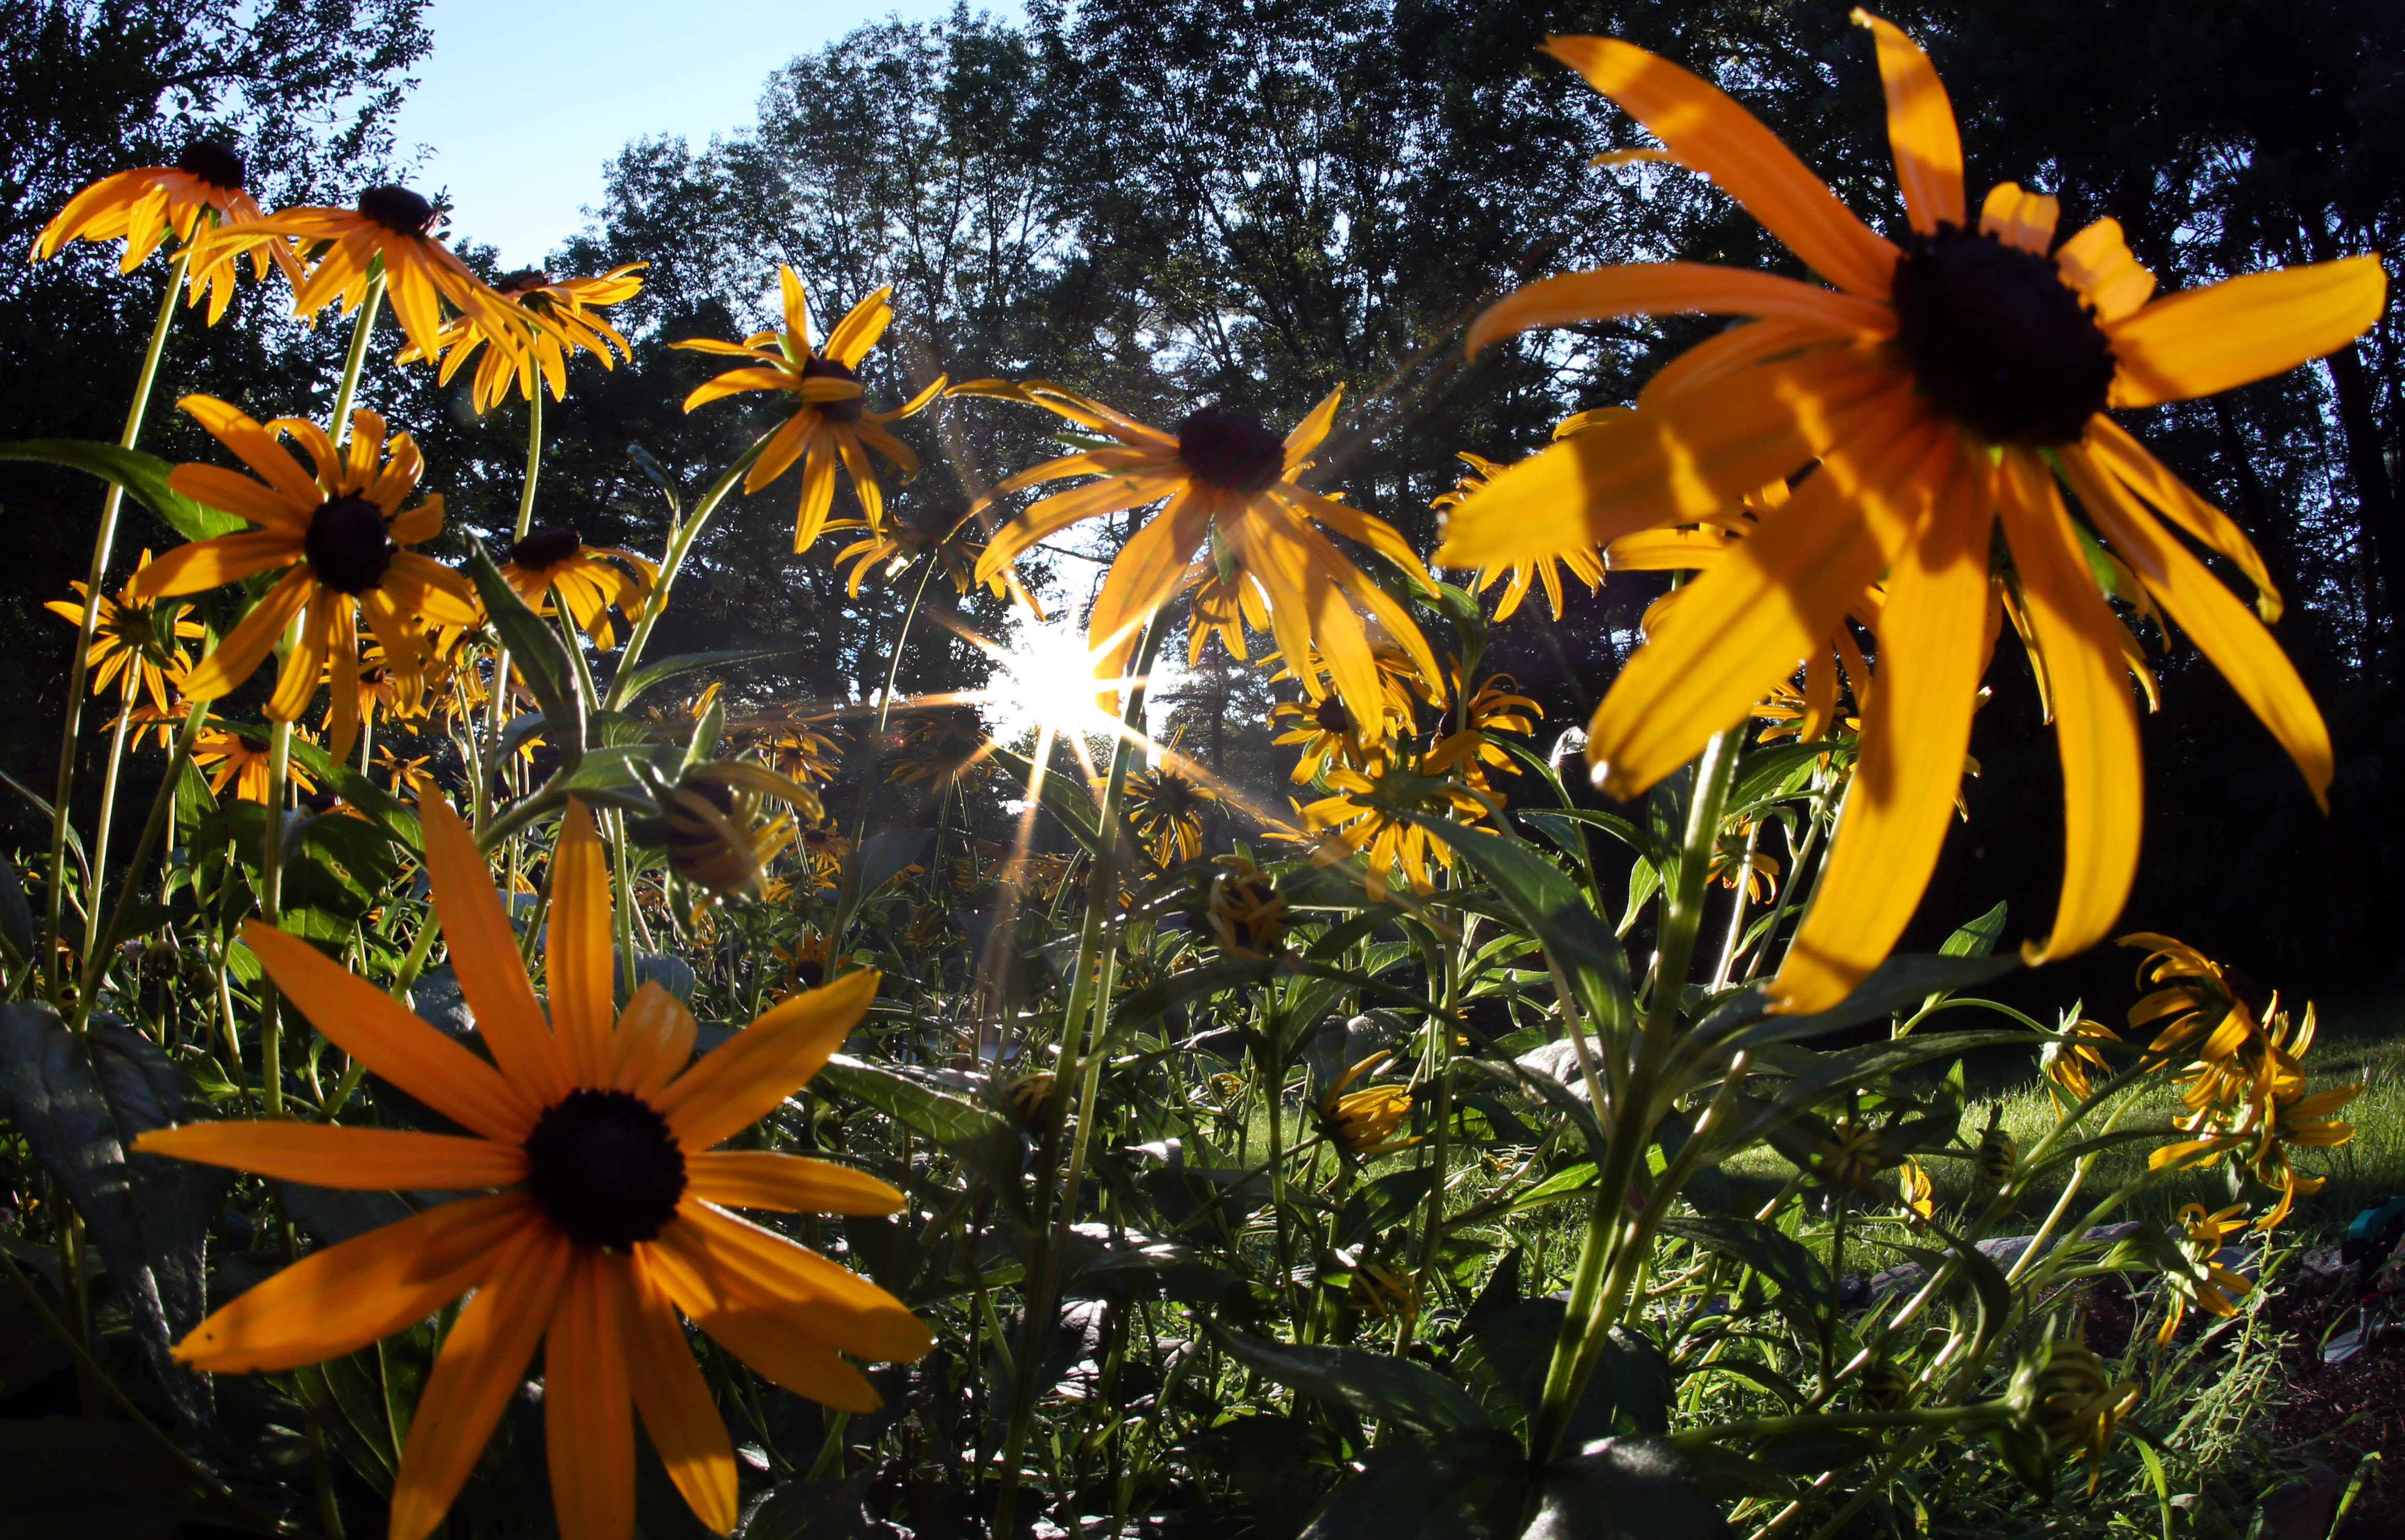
{"type": "Point", "coordinates": [522, 102]}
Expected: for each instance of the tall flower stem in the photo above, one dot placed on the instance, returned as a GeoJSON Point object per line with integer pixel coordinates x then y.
{"type": "Point", "coordinates": [534, 461]}
{"type": "Point", "coordinates": [847, 893]}
{"type": "Point", "coordinates": [680, 538]}
{"type": "Point", "coordinates": [163, 813]}
{"type": "Point", "coordinates": [1682, 915]}
{"type": "Point", "coordinates": [355, 362]}
{"type": "Point", "coordinates": [1081, 1062]}
{"type": "Point", "coordinates": [93, 921]}
{"type": "Point", "coordinates": [79, 668]}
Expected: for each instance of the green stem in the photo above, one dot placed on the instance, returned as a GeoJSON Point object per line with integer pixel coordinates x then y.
{"type": "Point", "coordinates": [534, 460]}
{"type": "Point", "coordinates": [162, 809]}
{"type": "Point", "coordinates": [1684, 911]}
{"type": "Point", "coordinates": [681, 540]}
{"type": "Point", "coordinates": [356, 360]}
{"type": "Point", "coordinates": [93, 922]}
{"type": "Point", "coordinates": [80, 666]}
{"type": "Point", "coordinates": [271, 912]}
{"type": "Point", "coordinates": [847, 891]}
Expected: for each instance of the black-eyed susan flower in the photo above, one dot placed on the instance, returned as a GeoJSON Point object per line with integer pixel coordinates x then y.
{"type": "Point", "coordinates": [890, 546]}
{"type": "Point", "coordinates": [1246, 911]}
{"type": "Point", "coordinates": [1322, 733]}
{"type": "Point", "coordinates": [588, 579]}
{"type": "Point", "coordinates": [1363, 1122]}
{"type": "Point", "coordinates": [719, 828]}
{"type": "Point", "coordinates": [1916, 1192]}
{"type": "Point", "coordinates": [201, 191]}
{"type": "Point", "coordinates": [832, 424]}
{"type": "Point", "coordinates": [561, 317]}
{"type": "Point", "coordinates": [339, 538]}
{"type": "Point", "coordinates": [1168, 809]}
{"type": "Point", "coordinates": [1224, 477]}
{"type": "Point", "coordinates": [375, 689]}
{"type": "Point", "coordinates": [612, 1214]}
{"type": "Point", "coordinates": [397, 226]}
{"type": "Point", "coordinates": [1582, 562]}
{"type": "Point", "coordinates": [135, 646]}
{"type": "Point", "coordinates": [2204, 1283]}
{"type": "Point", "coordinates": [238, 756]}
{"type": "Point", "coordinates": [1495, 707]}
{"type": "Point", "coordinates": [1938, 389]}
{"type": "Point", "coordinates": [1363, 813]}
{"type": "Point", "coordinates": [940, 746]}
{"type": "Point", "coordinates": [2070, 1060]}
{"type": "Point", "coordinates": [2063, 1393]}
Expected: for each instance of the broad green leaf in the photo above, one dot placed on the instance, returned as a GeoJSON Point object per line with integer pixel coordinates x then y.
{"type": "Point", "coordinates": [627, 688]}
{"type": "Point", "coordinates": [535, 651]}
{"type": "Point", "coordinates": [1374, 1385]}
{"type": "Point", "coordinates": [1977, 938]}
{"type": "Point", "coordinates": [942, 1116]}
{"type": "Point", "coordinates": [143, 476]}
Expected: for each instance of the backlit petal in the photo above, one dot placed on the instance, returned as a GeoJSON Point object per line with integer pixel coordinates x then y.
{"type": "Point", "coordinates": [740, 1263]}
{"type": "Point", "coordinates": [208, 563]}
{"type": "Point", "coordinates": [342, 1298]}
{"type": "Point", "coordinates": [1670, 289]}
{"type": "Point", "coordinates": [772, 1340]}
{"type": "Point", "coordinates": [1769, 603]}
{"type": "Point", "coordinates": [2220, 627]}
{"type": "Point", "coordinates": [742, 1080]}
{"type": "Point", "coordinates": [254, 446]}
{"type": "Point", "coordinates": [737, 381]}
{"type": "Point", "coordinates": [371, 1027]}
{"type": "Point", "coordinates": [2022, 219]}
{"type": "Point", "coordinates": [653, 1042]}
{"type": "Point", "coordinates": [2097, 262]}
{"type": "Point", "coordinates": [483, 1362]}
{"type": "Point", "coordinates": [2205, 340]}
{"type": "Point", "coordinates": [1691, 457]}
{"type": "Point", "coordinates": [2096, 723]}
{"type": "Point", "coordinates": [325, 1155]}
{"type": "Point", "coordinates": [1711, 133]}
{"type": "Point", "coordinates": [859, 329]}
{"type": "Point", "coordinates": [1932, 642]}
{"type": "Point", "coordinates": [677, 1411]}
{"type": "Point", "coordinates": [762, 1179]}
{"type": "Point", "coordinates": [1919, 129]}
{"type": "Point", "coordinates": [1309, 432]}
{"type": "Point", "coordinates": [1111, 495]}
{"type": "Point", "coordinates": [484, 954]}
{"type": "Point", "coordinates": [588, 1420]}
{"type": "Point", "coordinates": [576, 959]}
{"type": "Point", "coordinates": [2127, 459]}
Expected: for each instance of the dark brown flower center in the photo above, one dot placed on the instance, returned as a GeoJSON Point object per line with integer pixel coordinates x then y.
{"type": "Point", "coordinates": [1229, 450]}
{"type": "Point", "coordinates": [543, 548]}
{"type": "Point", "coordinates": [251, 743]}
{"type": "Point", "coordinates": [523, 281]}
{"type": "Point", "coordinates": [1330, 715]}
{"type": "Point", "coordinates": [213, 161]}
{"type": "Point", "coordinates": [845, 411]}
{"type": "Point", "coordinates": [348, 546]}
{"type": "Point", "coordinates": [1997, 340]}
{"type": "Point", "coordinates": [604, 1168]}
{"type": "Point", "coordinates": [399, 210]}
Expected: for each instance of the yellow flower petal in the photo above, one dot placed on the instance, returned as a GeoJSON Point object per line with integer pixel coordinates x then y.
{"type": "Point", "coordinates": [2019, 218]}
{"type": "Point", "coordinates": [739, 1083]}
{"type": "Point", "coordinates": [323, 1155]}
{"type": "Point", "coordinates": [675, 1401]}
{"type": "Point", "coordinates": [2207, 340]}
{"type": "Point", "coordinates": [783, 1183]}
{"type": "Point", "coordinates": [1919, 129]}
{"type": "Point", "coordinates": [588, 1418]}
{"type": "Point", "coordinates": [2097, 262]}
{"type": "Point", "coordinates": [484, 954]}
{"type": "Point", "coordinates": [1670, 289]}
{"type": "Point", "coordinates": [577, 953]}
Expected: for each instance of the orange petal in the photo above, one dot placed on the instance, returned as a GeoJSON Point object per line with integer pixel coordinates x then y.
{"type": "Point", "coordinates": [677, 1409]}
{"type": "Point", "coordinates": [485, 955]}
{"type": "Point", "coordinates": [2019, 218]}
{"type": "Point", "coordinates": [323, 1156]}
{"type": "Point", "coordinates": [483, 1362]}
{"type": "Point", "coordinates": [1308, 433]}
{"type": "Point", "coordinates": [2128, 460]}
{"type": "Point", "coordinates": [1913, 730]}
{"type": "Point", "coordinates": [2226, 334]}
{"type": "Point", "coordinates": [783, 1183]}
{"type": "Point", "coordinates": [576, 958]}
{"type": "Point", "coordinates": [653, 1042]}
{"type": "Point", "coordinates": [209, 564]}
{"type": "Point", "coordinates": [719, 1263]}
{"type": "Point", "coordinates": [1770, 602]}
{"type": "Point", "coordinates": [1132, 489]}
{"type": "Point", "coordinates": [255, 447]}
{"type": "Point", "coordinates": [741, 1081]}
{"type": "Point", "coordinates": [242, 650]}
{"type": "Point", "coordinates": [344, 1297]}
{"type": "Point", "coordinates": [1670, 289]}
{"type": "Point", "coordinates": [370, 1025]}
{"type": "Point", "coordinates": [2220, 627]}
{"type": "Point", "coordinates": [858, 332]}
{"type": "Point", "coordinates": [1676, 463]}
{"type": "Point", "coordinates": [1144, 575]}
{"type": "Point", "coordinates": [1919, 129]}
{"type": "Point", "coordinates": [737, 381]}
{"type": "Point", "coordinates": [588, 1420]}
{"type": "Point", "coordinates": [2096, 723]}
{"type": "Point", "coordinates": [2097, 262]}
{"type": "Point", "coordinates": [1711, 133]}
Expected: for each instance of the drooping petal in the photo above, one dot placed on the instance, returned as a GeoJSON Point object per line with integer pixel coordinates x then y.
{"type": "Point", "coordinates": [2126, 459]}
{"type": "Point", "coordinates": [783, 1183]}
{"type": "Point", "coordinates": [1932, 641]}
{"type": "Point", "coordinates": [1146, 572]}
{"type": "Point", "coordinates": [588, 1420]}
{"type": "Point", "coordinates": [375, 1029]}
{"type": "Point", "coordinates": [739, 1263]}
{"type": "Point", "coordinates": [1716, 358]}
{"type": "Point", "coordinates": [2207, 339]}
{"type": "Point", "coordinates": [1670, 289]}
{"type": "Point", "coordinates": [2096, 723]}
{"type": "Point", "coordinates": [1693, 456]}
{"type": "Point", "coordinates": [818, 494]}
{"type": "Point", "coordinates": [737, 381]}
{"type": "Point", "coordinates": [576, 958]}
{"type": "Point", "coordinates": [484, 954]}
{"type": "Point", "coordinates": [785, 447]}
{"type": "Point", "coordinates": [326, 1156]}
{"type": "Point", "coordinates": [216, 486]}
{"type": "Point", "coordinates": [2220, 627]}
{"type": "Point", "coordinates": [296, 682]}
{"type": "Point", "coordinates": [741, 1081]}
{"type": "Point", "coordinates": [771, 1340]}
{"type": "Point", "coordinates": [1112, 495]}
{"type": "Point", "coordinates": [1711, 133]}
{"type": "Point", "coordinates": [483, 1362]}
{"type": "Point", "coordinates": [675, 1401]}
{"type": "Point", "coordinates": [242, 650]}
{"type": "Point", "coordinates": [1771, 601]}
{"type": "Point", "coordinates": [1919, 129]}
{"type": "Point", "coordinates": [344, 1297]}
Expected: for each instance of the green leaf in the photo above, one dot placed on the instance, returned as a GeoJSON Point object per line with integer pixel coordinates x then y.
{"type": "Point", "coordinates": [143, 476]}
{"type": "Point", "coordinates": [1977, 938]}
{"type": "Point", "coordinates": [946, 1118]}
{"type": "Point", "coordinates": [1373, 1384]}
{"type": "Point", "coordinates": [1900, 983]}
{"type": "Point", "coordinates": [886, 856]}
{"type": "Point", "coordinates": [629, 688]}
{"type": "Point", "coordinates": [1063, 796]}
{"type": "Point", "coordinates": [386, 811]}
{"type": "Point", "coordinates": [1803, 1280]}
{"type": "Point", "coordinates": [541, 657]}
{"type": "Point", "coordinates": [1464, 1485]}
